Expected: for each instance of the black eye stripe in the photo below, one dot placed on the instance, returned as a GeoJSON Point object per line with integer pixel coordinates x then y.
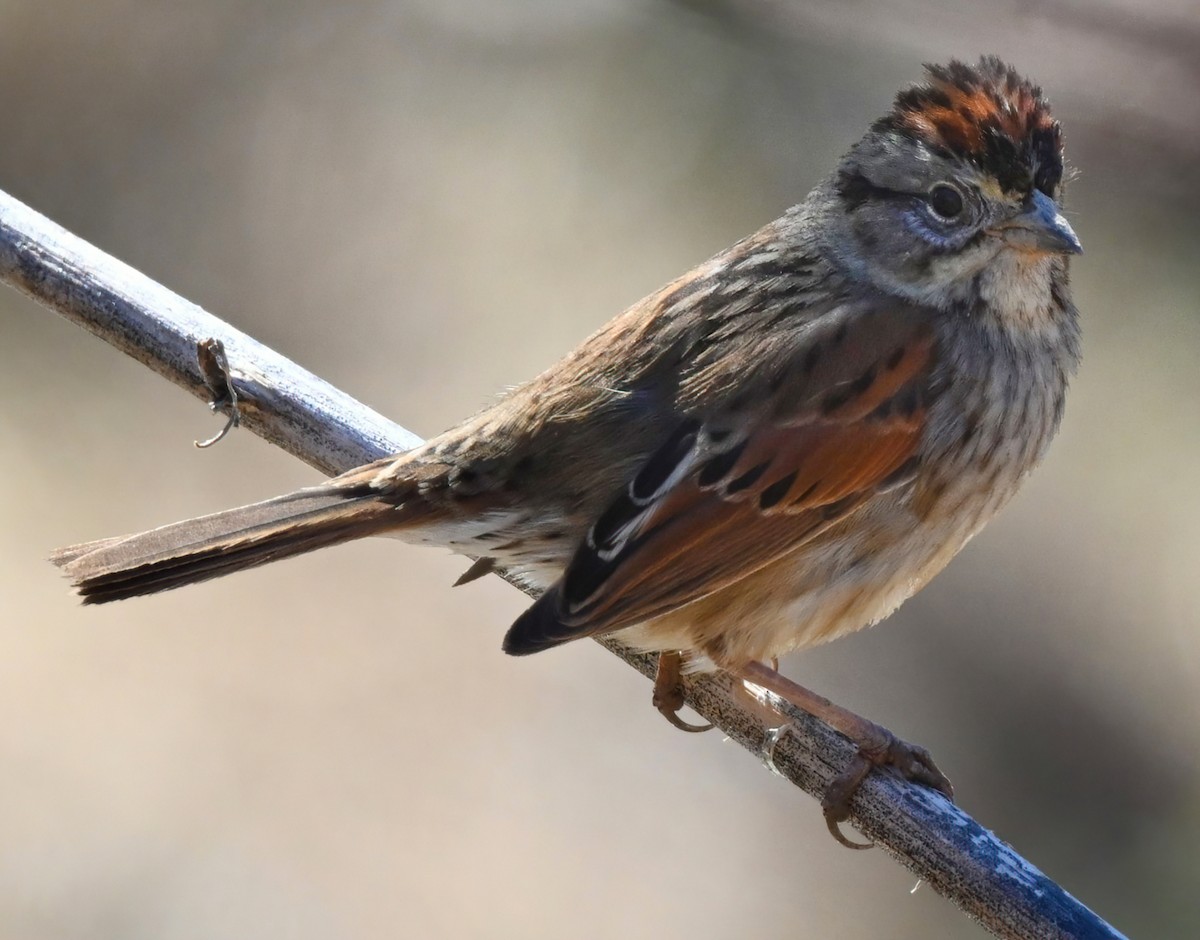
{"type": "Point", "coordinates": [856, 189]}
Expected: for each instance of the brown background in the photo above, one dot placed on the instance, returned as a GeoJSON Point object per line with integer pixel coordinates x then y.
{"type": "Point", "coordinates": [424, 202]}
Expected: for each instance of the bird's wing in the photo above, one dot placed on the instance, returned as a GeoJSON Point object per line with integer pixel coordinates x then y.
{"type": "Point", "coordinates": [786, 455]}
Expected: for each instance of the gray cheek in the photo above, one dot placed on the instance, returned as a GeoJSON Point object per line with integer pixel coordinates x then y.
{"type": "Point", "coordinates": [870, 231]}
{"type": "Point", "coordinates": [956, 271]}
{"type": "Point", "coordinates": [889, 246]}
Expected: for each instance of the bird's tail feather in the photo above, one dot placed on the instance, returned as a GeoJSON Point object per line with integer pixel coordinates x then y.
{"type": "Point", "coordinates": [211, 546]}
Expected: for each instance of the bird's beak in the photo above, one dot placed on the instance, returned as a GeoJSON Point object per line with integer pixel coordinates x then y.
{"type": "Point", "coordinates": [1041, 228]}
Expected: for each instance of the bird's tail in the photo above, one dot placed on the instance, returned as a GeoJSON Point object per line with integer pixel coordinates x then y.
{"type": "Point", "coordinates": [211, 546]}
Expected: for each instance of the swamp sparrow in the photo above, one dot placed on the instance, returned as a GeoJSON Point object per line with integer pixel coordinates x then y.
{"type": "Point", "coordinates": [775, 449]}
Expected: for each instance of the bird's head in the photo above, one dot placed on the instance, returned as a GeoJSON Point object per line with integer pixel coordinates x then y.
{"type": "Point", "coordinates": [962, 179]}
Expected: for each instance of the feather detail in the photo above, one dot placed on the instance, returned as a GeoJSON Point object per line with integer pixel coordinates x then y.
{"type": "Point", "coordinates": [807, 457]}
{"type": "Point", "coordinates": [480, 568]}
{"type": "Point", "coordinates": [348, 507]}
{"type": "Point", "coordinates": [210, 546]}
{"type": "Point", "coordinates": [988, 115]}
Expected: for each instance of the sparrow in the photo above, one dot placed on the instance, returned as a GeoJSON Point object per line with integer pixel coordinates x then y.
{"type": "Point", "coordinates": [773, 450]}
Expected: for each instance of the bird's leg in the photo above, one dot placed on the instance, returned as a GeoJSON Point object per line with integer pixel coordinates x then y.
{"type": "Point", "coordinates": [668, 690]}
{"type": "Point", "coordinates": [877, 747]}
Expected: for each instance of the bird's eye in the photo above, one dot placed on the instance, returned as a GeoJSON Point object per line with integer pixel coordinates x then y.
{"type": "Point", "coordinates": [945, 201]}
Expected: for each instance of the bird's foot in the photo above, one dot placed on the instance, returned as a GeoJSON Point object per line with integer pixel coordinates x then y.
{"type": "Point", "coordinates": [877, 747]}
{"type": "Point", "coordinates": [668, 695]}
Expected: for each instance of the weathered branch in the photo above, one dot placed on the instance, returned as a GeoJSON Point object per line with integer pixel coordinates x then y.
{"type": "Point", "coordinates": [294, 409]}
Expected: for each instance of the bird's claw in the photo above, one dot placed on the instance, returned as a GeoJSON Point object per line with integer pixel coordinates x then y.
{"type": "Point", "coordinates": [909, 761]}
{"type": "Point", "coordinates": [668, 695]}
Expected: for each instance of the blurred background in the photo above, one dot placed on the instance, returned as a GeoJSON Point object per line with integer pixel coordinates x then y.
{"type": "Point", "coordinates": [423, 202]}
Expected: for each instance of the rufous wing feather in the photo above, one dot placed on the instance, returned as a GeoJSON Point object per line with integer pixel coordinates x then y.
{"type": "Point", "coordinates": [697, 517]}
